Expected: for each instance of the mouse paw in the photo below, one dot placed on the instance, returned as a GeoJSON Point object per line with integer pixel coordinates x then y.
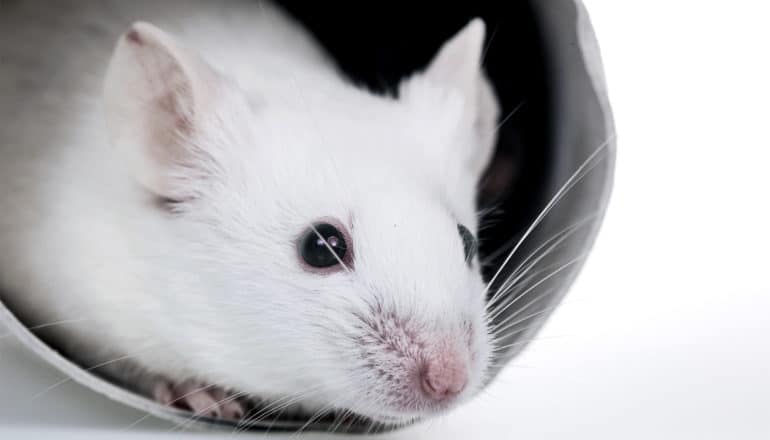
{"type": "Point", "coordinates": [202, 400]}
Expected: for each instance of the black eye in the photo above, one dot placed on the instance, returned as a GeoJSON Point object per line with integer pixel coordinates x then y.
{"type": "Point", "coordinates": [469, 243]}
{"type": "Point", "coordinates": [315, 244]}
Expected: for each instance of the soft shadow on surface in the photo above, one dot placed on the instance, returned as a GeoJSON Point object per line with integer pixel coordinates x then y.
{"type": "Point", "coordinates": [23, 376]}
{"type": "Point", "coordinates": [29, 409]}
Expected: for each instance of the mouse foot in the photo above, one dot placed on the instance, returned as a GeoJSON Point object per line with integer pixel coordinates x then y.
{"type": "Point", "coordinates": [202, 400]}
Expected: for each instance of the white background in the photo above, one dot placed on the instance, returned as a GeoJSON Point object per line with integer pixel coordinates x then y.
{"type": "Point", "coordinates": [666, 333]}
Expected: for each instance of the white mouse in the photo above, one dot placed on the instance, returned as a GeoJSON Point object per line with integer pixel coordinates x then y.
{"type": "Point", "coordinates": [163, 198]}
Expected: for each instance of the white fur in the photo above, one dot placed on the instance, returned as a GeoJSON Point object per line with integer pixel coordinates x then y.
{"type": "Point", "coordinates": [215, 290]}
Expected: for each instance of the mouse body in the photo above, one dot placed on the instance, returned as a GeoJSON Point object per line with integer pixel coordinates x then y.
{"type": "Point", "coordinates": [209, 208]}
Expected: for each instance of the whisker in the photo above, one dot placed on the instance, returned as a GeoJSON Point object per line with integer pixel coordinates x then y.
{"type": "Point", "coordinates": [496, 339]}
{"type": "Point", "coordinates": [279, 405]}
{"type": "Point", "coordinates": [318, 414]}
{"type": "Point", "coordinates": [568, 229]}
{"type": "Point", "coordinates": [560, 237]}
{"type": "Point", "coordinates": [512, 292]}
{"type": "Point", "coordinates": [100, 365]}
{"type": "Point", "coordinates": [526, 317]}
{"type": "Point", "coordinates": [489, 44]}
{"type": "Point", "coordinates": [526, 341]}
{"type": "Point", "coordinates": [48, 324]}
{"type": "Point", "coordinates": [568, 184]}
{"type": "Point", "coordinates": [507, 117]}
{"type": "Point", "coordinates": [345, 415]}
{"type": "Point", "coordinates": [494, 329]}
{"type": "Point", "coordinates": [544, 279]}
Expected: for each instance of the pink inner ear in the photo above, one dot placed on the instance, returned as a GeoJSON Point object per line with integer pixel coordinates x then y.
{"type": "Point", "coordinates": [170, 103]}
{"type": "Point", "coordinates": [169, 109]}
{"type": "Point", "coordinates": [157, 94]}
{"type": "Point", "coordinates": [169, 129]}
{"type": "Point", "coordinates": [134, 37]}
{"type": "Point", "coordinates": [168, 87]}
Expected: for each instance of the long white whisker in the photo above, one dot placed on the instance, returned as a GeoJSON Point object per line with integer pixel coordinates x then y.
{"type": "Point", "coordinates": [100, 365]}
{"type": "Point", "coordinates": [497, 339]}
{"type": "Point", "coordinates": [488, 45]}
{"type": "Point", "coordinates": [526, 341]}
{"type": "Point", "coordinates": [534, 286]}
{"type": "Point", "coordinates": [275, 407]}
{"type": "Point", "coordinates": [566, 230]}
{"type": "Point", "coordinates": [507, 117]}
{"type": "Point", "coordinates": [560, 237]}
{"type": "Point", "coordinates": [524, 318]}
{"type": "Point", "coordinates": [315, 416]}
{"type": "Point", "coordinates": [495, 328]}
{"type": "Point", "coordinates": [48, 324]}
{"type": "Point", "coordinates": [523, 280]}
{"type": "Point", "coordinates": [573, 179]}
{"type": "Point", "coordinates": [279, 405]}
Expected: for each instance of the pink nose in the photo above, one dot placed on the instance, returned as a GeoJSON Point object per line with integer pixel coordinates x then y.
{"type": "Point", "coordinates": [444, 377]}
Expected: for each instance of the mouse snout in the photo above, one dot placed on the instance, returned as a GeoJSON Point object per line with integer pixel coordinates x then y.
{"type": "Point", "coordinates": [443, 376]}
{"type": "Point", "coordinates": [418, 367]}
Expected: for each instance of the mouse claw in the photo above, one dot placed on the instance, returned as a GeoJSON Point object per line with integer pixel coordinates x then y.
{"type": "Point", "coordinates": [230, 407]}
{"type": "Point", "coordinates": [202, 400]}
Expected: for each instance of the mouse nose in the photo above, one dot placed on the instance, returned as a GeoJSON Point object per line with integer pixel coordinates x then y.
{"type": "Point", "coordinates": [444, 377]}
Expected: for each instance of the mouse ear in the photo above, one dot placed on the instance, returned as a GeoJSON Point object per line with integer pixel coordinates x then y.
{"type": "Point", "coordinates": [158, 97]}
{"type": "Point", "coordinates": [457, 67]}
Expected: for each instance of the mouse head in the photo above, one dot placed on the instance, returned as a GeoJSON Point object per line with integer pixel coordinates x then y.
{"type": "Point", "coordinates": [328, 235]}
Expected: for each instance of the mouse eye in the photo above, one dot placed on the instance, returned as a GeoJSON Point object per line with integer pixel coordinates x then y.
{"type": "Point", "coordinates": [323, 246]}
{"type": "Point", "coordinates": [469, 243]}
